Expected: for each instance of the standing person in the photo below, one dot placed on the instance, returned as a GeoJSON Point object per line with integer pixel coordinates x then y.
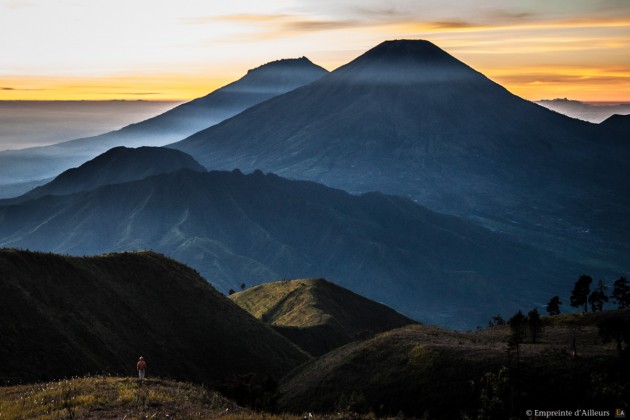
{"type": "Point", "coordinates": [141, 366]}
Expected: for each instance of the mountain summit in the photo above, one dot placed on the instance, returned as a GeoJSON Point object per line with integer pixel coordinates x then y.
{"type": "Point", "coordinates": [406, 61]}
{"type": "Point", "coordinates": [117, 165]}
{"type": "Point", "coordinates": [317, 315]}
{"type": "Point", "coordinates": [407, 118]}
{"type": "Point", "coordinates": [258, 85]}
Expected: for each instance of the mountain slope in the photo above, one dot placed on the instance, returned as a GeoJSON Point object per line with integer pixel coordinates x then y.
{"type": "Point", "coordinates": [64, 316]}
{"type": "Point", "coordinates": [256, 86]}
{"type": "Point", "coordinates": [255, 228]}
{"type": "Point", "coordinates": [120, 164]}
{"type": "Point", "coordinates": [407, 118]}
{"type": "Point", "coordinates": [620, 123]}
{"type": "Point", "coordinates": [420, 371]}
{"type": "Point", "coordinates": [317, 315]}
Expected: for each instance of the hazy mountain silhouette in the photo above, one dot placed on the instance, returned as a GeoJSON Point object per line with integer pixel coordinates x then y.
{"type": "Point", "coordinates": [64, 316]}
{"type": "Point", "coordinates": [316, 314]}
{"type": "Point", "coordinates": [258, 85]}
{"type": "Point", "coordinates": [407, 118]}
{"type": "Point", "coordinates": [592, 112]}
{"type": "Point", "coordinates": [120, 164]}
{"type": "Point", "coordinates": [257, 228]}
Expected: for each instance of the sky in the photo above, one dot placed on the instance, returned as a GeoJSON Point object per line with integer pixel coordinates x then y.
{"type": "Point", "coordinates": [182, 49]}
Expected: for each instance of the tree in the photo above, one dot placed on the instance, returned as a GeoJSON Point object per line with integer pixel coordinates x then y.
{"type": "Point", "coordinates": [496, 321]}
{"type": "Point", "coordinates": [534, 324]}
{"type": "Point", "coordinates": [581, 290]}
{"type": "Point", "coordinates": [517, 324]}
{"type": "Point", "coordinates": [553, 307]}
{"type": "Point", "coordinates": [598, 297]}
{"type": "Point", "coordinates": [242, 286]}
{"type": "Point", "coordinates": [231, 292]}
{"type": "Point", "coordinates": [621, 292]}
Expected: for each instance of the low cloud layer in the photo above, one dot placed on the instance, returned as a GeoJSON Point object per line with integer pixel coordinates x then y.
{"type": "Point", "coordinates": [28, 124]}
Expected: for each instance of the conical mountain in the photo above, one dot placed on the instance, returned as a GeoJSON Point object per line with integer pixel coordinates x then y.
{"type": "Point", "coordinates": [408, 118]}
{"type": "Point", "coordinates": [257, 228]}
{"type": "Point", "coordinates": [117, 165]}
{"type": "Point", "coordinates": [258, 85]}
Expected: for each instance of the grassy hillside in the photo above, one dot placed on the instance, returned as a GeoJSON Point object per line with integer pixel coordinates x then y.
{"type": "Point", "coordinates": [105, 397]}
{"type": "Point", "coordinates": [442, 374]}
{"type": "Point", "coordinates": [317, 315]}
{"type": "Point", "coordinates": [112, 397]}
{"type": "Point", "coordinates": [585, 319]}
{"type": "Point", "coordinates": [64, 316]}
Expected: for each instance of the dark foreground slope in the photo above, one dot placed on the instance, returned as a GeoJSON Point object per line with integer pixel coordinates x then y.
{"type": "Point", "coordinates": [237, 228]}
{"type": "Point", "coordinates": [258, 85]}
{"type": "Point", "coordinates": [421, 371]}
{"type": "Point", "coordinates": [64, 316]}
{"type": "Point", "coordinates": [407, 118]}
{"type": "Point", "coordinates": [317, 315]}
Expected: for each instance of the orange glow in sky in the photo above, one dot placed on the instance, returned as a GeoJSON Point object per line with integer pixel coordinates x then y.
{"type": "Point", "coordinates": [179, 50]}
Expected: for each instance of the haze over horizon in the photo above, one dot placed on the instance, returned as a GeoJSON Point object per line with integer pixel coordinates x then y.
{"type": "Point", "coordinates": [179, 51]}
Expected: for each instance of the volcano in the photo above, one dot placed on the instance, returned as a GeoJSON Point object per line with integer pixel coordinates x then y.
{"type": "Point", "coordinates": [409, 119]}
{"type": "Point", "coordinates": [27, 165]}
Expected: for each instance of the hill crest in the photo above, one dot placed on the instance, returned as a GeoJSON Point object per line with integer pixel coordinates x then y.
{"type": "Point", "coordinates": [117, 165]}
{"type": "Point", "coordinates": [316, 314]}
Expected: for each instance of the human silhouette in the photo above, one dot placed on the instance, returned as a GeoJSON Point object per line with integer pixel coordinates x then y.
{"type": "Point", "coordinates": [141, 366]}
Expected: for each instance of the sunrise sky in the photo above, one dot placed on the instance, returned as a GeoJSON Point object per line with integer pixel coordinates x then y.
{"type": "Point", "coordinates": [182, 49]}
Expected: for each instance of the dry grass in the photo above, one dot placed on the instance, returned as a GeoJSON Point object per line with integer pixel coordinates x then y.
{"type": "Point", "coordinates": [418, 368]}
{"type": "Point", "coordinates": [286, 303]}
{"type": "Point", "coordinates": [111, 397]}
{"type": "Point", "coordinates": [106, 397]}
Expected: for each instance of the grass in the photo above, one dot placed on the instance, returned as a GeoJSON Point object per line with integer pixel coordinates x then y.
{"type": "Point", "coordinates": [584, 318]}
{"type": "Point", "coordinates": [112, 397]}
{"type": "Point", "coordinates": [292, 303]}
{"type": "Point", "coordinates": [316, 315]}
{"type": "Point", "coordinates": [106, 397]}
{"type": "Point", "coordinates": [443, 374]}
{"type": "Point", "coordinates": [103, 312]}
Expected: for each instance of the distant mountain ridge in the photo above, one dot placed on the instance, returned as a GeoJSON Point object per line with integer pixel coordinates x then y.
{"type": "Point", "coordinates": [65, 316]}
{"type": "Point", "coordinates": [256, 228]}
{"type": "Point", "coordinates": [406, 118]}
{"type": "Point", "coordinates": [117, 165]}
{"type": "Point", "coordinates": [258, 85]}
{"type": "Point", "coordinates": [317, 315]}
{"type": "Point", "coordinates": [595, 113]}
